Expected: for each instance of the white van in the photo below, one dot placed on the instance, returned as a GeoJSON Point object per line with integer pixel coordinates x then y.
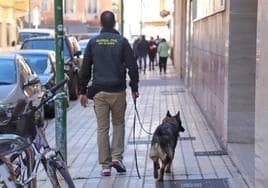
{"type": "Point", "coordinates": [31, 32]}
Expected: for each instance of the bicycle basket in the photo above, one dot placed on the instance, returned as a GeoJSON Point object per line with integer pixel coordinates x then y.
{"type": "Point", "coordinates": [22, 125]}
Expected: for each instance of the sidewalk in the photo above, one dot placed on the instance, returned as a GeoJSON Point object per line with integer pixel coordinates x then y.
{"type": "Point", "coordinates": [193, 166]}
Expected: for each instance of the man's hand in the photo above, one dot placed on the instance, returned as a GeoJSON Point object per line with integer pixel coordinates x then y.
{"type": "Point", "coordinates": [135, 94]}
{"type": "Point", "coordinates": [83, 100]}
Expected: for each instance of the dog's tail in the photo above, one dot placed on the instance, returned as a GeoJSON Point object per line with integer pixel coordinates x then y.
{"type": "Point", "coordinates": [157, 152]}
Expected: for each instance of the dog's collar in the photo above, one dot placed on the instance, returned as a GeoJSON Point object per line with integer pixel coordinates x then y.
{"type": "Point", "coordinates": [170, 123]}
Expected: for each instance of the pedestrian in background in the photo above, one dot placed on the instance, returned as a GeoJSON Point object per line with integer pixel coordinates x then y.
{"type": "Point", "coordinates": [142, 49]}
{"type": "Point", "coordinates": [109, 55]}
{"type": "Point", "coordinates": [135, 47]}
{"type": "Point", "coordinates": [152, 53]}
{"type": "Point", "coordinates": [157, 41]}
{"type": "Point", "coordinates": [162, 50]}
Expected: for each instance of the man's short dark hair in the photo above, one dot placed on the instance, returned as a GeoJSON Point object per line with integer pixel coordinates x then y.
{"type": "Point", "coordinates": [107, 19]}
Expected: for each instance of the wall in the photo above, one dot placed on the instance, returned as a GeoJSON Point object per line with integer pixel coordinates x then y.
{"type": "Point", "coordinates": [241, 71]}
{"type": "Point", "coordinates": [208, 68]}
{"type": "Point", "coordinates": [223, 63]}
{"type": "Point", "coordinates": [179, 36]}
{"type": "Point", "coordinates": [261, 120]}
{"type": "Point", "coordinates": [8, 22]}
{"type": "Point", "coordinates": [223, 66]}
{"type": "Point", "coordinates": [79, 15]}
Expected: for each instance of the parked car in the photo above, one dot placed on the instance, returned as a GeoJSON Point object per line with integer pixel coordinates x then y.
{"type": "Point", "coordinates": [26, 33]}
{"type": "Point", "coordinates": [71, 58]}
{"type": "Point", "coordinates": [18, 81]}
{"type": "Point", "coordinates": [43, 62]}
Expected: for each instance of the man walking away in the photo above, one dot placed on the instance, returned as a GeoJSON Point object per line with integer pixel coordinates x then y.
{"type": "Point", "coordinates": [135, 48]}
{"type": "Point", "coordinates": [152, 53]}
{"type": "Point", "coordinates": [162, 50]}
{"type": "Point", "coordinates": [110, 55]}
{"type": "Point", "coordinates": [142, 48]}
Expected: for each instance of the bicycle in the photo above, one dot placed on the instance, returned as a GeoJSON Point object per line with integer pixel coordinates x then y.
{"type": "Point", "coordinates": [27, 147]}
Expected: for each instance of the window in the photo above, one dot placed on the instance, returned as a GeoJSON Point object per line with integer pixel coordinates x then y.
{"type": "Point", "coordinates": [0, 36]}
{"type": "Point", "coordinates": [194, 9]}
{"type": "Point", "coordinates": [39, 63]}
{"type": "Point", "coordinates": [44, 5]}
{"type": "Point", "coordinates": [92, 6]}
{"type": "Point", "coordinates": [204, 8]}
{"type": "Point", "coordinates": [9, 34]}
{"type": "Point", "coordinates": [69, 6]}
{"type": "Point", "coordinates": [7, 72]}
{"type": "Point", "coordinates": [25, 71]}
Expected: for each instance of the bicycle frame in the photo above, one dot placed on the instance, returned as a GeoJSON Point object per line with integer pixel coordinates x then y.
{"type": "Point", "coordinates": [41, 151]}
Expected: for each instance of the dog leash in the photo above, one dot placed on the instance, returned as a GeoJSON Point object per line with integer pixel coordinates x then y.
{"type": "Point", "coordinates": [134, 141]}
{"type": "Point", "coordinates": [136, 115]}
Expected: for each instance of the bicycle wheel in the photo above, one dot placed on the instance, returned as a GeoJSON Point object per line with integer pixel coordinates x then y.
{"type": "Point", "coordinates": [7, 180]}
{"type": "Point", "coordinates": [22, 168]}
{"type": "Point", "coordinates": [58, 173]}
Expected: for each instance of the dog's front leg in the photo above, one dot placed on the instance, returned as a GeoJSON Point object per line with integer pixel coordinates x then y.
{"type": "Point", "coordinates": [168, 167]}
{"type": "Point", "coordinates": [156, 167]}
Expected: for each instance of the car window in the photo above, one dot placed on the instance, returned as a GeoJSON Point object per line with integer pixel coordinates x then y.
{"type": "Point", "coordinates": [39, 63]}
{"type": "Point", "coordinates": [46, 45]}
{"type": "Point", "coordinates": [7, 72]}
{"type": "Point", "coordinates": [25, 35]}
{"type": "Point", "coordinates": [25, 70]}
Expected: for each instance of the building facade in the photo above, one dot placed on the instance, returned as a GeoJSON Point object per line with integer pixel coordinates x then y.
{"type": "Point", "coordinates": [11, 14]}
{"type": "Point", "coordinates": [79, 16]}
{"type": "Point", "coordinates": [215, 54]}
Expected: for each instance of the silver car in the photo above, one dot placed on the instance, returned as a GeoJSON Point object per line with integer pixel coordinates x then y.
{"type": "Point", "coordinates": [17, 81]}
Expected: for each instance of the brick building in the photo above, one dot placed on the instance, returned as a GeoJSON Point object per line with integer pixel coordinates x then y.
{"type": "Point", "coordinates": [79, 16]}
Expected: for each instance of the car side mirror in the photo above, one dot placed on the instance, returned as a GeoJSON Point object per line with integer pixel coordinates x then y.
{"type": "Point", "coordinates": [31, 80]}
{"type": "Point", "coordinates": [77, 53]}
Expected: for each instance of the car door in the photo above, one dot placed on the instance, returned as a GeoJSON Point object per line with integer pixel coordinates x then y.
{"type": "Point", "coordinates": [30, 82]}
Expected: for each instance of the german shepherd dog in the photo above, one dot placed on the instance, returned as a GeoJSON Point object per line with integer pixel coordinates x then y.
{"type": "Point", "coordinates": [164, 143]}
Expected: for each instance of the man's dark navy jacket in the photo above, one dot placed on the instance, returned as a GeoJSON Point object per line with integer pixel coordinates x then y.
{"type": "Point", "coordinates": [111, 56]}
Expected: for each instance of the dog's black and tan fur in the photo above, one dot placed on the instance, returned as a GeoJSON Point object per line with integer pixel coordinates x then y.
{"type": "Point", "coordinates": [164, 143]}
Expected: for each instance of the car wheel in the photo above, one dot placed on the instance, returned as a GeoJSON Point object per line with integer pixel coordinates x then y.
{"type": "Point", "coordinates": [74, 89]}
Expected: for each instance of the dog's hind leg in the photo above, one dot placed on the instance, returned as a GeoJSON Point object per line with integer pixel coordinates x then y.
{"type": "Point", "coordinates": [162, 170]}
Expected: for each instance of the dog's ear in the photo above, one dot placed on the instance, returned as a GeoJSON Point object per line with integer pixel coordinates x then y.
{"type": "Point", "coordinates": [168, 114]}
{"type": "Point", "coordinates": [178, 114]}
{"type": "Point", "coordinates": [181, 128]}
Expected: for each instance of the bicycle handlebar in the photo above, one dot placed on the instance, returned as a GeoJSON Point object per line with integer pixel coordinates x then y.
{"type": "Point", "coordinates": [56, 87]}
{"type": "Point", "coordinates": [51, 93]}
